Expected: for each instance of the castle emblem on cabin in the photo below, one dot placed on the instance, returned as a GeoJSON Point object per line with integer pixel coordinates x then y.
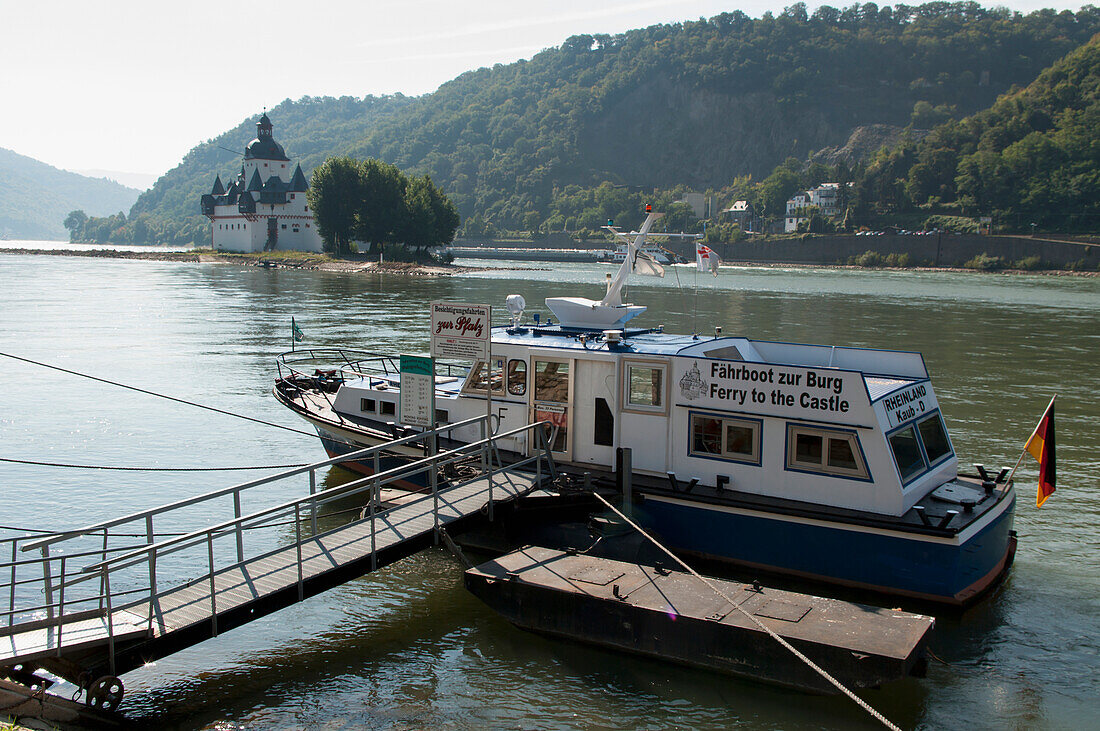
{"type": "Point", "coordinates": [692, 385]}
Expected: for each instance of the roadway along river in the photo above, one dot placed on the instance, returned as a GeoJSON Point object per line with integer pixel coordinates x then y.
{"type": "Point", "coordinates": [408, 647]}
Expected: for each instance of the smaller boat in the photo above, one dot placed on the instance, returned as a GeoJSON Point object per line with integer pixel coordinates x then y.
{"type": "Point", "coordinates": [647, 248]}
{"type": "Point", "coordinates": [659, 254]}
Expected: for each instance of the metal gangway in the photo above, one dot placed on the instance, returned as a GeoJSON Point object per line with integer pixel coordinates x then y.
{"type": "Point", "coordinates": [92, 605]}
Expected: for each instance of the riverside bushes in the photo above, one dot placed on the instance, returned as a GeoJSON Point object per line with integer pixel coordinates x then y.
{"type": "Point", "coordinates": [872, 259]}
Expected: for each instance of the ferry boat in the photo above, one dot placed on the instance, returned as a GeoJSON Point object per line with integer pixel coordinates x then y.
{"type": "Point", "coordinates": [829, 463]}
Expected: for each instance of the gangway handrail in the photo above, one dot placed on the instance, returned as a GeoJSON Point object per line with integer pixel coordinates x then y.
{"type": "Point", "coordinates": [222, 492]}
{"type": "Point", "coordinates": [63, 612]}
{"type": "Point", "coordinates": [351, 488]}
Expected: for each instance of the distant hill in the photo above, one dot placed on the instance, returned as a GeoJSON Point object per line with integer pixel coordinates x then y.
{"type": "Point", "coordinates": [141, 181]}
{"type": "Point", "coordinates": [36, 197]}
{"type": "Point", "coordinates": [692, 104]}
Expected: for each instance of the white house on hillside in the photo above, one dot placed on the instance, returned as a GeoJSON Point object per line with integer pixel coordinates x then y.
{"type": "Point", "coordinates": [265, 207]}
{"type": "Point", "coordinates": [825, 196]}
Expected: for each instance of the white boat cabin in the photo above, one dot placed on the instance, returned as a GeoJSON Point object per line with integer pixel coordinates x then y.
{"type": "Point", "coordinates": [852, 428]}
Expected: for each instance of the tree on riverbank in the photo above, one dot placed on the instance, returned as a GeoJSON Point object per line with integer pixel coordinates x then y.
{"type": "Point", "coordinates": [374, 202]}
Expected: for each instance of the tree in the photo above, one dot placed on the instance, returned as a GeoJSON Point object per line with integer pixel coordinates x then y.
{"type": "Point", "coordinates": [75, 222]}
{"type": "Point", "coordinates": [335, 196]}
{"type": "Point", "coordinates": [373, 201]}
{"type": "Point", "coordinates": [444, 215]}
{"type": "Point", "coordinates": [380, 218]}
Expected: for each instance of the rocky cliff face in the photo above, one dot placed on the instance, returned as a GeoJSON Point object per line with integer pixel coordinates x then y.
{"type": "Point", "coordinates": [864, 142]}
{"type": "Point", "coordinates": [663, 135]}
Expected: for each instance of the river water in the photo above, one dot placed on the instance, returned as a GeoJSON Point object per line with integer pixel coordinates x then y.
{"type": "Point", "coordinates": [407, 647]}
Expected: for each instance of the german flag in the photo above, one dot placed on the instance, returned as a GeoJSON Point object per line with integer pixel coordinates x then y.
{"type": "Point", "coordinates": [1041, 447]}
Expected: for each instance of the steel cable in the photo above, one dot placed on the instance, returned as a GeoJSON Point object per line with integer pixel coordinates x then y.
{"type": "Point", "coordinates": [150, 469]}
{"type": "Point", "coordinates": [763, 627]}
{"type": "Point", "coordinates": [158, 395]}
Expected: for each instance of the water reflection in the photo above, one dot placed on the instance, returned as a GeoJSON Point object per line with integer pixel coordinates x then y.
{"type": "Point", "coordinates": [408, 646]}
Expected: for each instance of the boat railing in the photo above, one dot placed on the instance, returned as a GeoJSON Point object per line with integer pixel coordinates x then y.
{"type": "Point", "coordinates": [116, 564]}
{"type": "Point", "coordinates": [354, 363]}
{"type": "Point", "coordinates": [326, 369]}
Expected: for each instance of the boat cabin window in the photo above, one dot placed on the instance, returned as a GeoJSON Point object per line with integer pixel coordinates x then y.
{"type": "Point", "coordinates": [934, 438]}
{"type": "Point", "coordinates": [719, 437]}
{"type": "Point", "coordinates": [517, 377]}
{"type": "Point", "coordinates": [645, 387]}
{"type": "Point", "coordinates": [442, 416]}
{"type": "Point", "coordinates": [919, 446]}
{"type": "Point", "coordinates": [367, 405]}
{"type": "Point", "coordinates": [907, 454]}
{"type": "Point", "coordinates": [552, 381]}
{"type": "Point", "coordinates": [479, 375]}
{"type": "Point", "coordinates": [828, 451]}
{"type": "Point", "coordinates": [389, 408]}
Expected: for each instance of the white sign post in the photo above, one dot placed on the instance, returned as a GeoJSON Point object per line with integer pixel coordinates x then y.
{"type": "Point", "coordinates": [462, 331]}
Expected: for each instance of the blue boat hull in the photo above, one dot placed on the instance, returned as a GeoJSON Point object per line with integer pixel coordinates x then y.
{"type": "Point", "coordinates": [941, 569]}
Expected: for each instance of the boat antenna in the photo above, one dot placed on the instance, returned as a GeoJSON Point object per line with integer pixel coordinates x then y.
{"type": "Point", "coordinates": [695, 313]}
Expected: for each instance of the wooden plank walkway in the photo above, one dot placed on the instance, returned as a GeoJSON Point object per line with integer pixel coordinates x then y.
{"type": "Point", "coordinates": [262, 584]}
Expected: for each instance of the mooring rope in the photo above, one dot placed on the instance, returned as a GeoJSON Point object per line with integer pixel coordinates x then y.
{"type": "Point", "coordinates": [150, 469]}
{"type": "Point", "coordinates": [836, 683]}
{"type": "Point", "coordinates": [165, 534]}
{"type": "Point", "coordinates": [158, 395]}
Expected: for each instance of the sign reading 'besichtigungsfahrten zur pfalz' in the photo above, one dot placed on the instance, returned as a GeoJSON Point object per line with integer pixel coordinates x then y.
{"type": "Point", "coordinates": [460, 331]}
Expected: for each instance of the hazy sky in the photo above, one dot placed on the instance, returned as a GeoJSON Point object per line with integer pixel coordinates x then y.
{"type": "Point", "coordinates": [132, 86]}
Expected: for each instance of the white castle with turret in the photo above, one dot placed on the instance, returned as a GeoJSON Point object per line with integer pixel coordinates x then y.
{"type": "Point", "coordinates": [265, 207]}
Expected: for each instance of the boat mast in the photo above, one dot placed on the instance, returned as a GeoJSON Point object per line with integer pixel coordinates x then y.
{"type": "Point", "coordinates": [613, 298]}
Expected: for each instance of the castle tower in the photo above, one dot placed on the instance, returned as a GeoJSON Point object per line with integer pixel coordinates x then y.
{"type": "Point", "coordinates": [266, 208]}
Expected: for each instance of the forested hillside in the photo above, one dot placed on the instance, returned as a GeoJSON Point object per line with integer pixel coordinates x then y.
{"type": "Point", "coordinates": [701, 102]}
{"type": "Point", "coordinates": [1032, 158]}
{"type": "Point", "coordinates": [694, 104]}
{"type": "Point", "coordinates": [35, 197]}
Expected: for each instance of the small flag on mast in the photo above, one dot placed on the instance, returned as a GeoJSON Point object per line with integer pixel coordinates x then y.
{"type": "Point", "coordinates": [1041, 447]}
{"type": "Point", "coordinates": [296, 332]}
{"type": "Point", "coordinates": [706, 259]}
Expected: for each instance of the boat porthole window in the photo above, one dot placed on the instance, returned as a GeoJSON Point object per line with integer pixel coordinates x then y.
{"type": "Point", "coordinates": [826, 451]}
{"type": "Point", "coordinates": [389, 408]}
{"type": "Point", "coordinates": [907, 454]}
{"type": "Point", "coordinates": [367, 405]}
{"type": "Point", "coordinates": [517, 377]}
